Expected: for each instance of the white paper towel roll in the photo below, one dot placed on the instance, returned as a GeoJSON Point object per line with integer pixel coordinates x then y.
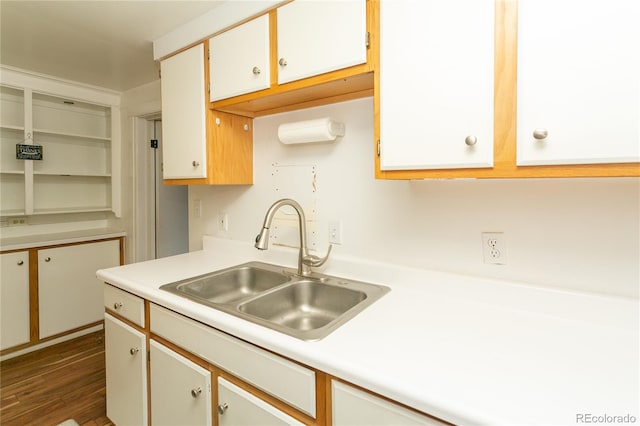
{"type": "Point", "coordinates": [310, 131]}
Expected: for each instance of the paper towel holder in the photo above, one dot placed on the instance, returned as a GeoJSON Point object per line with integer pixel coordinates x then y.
{"type": "Point", "coordinates": [310, 131]}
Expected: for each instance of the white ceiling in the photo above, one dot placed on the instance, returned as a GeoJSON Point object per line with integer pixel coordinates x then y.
{"type": "Point", "coordinates": [104, 43]}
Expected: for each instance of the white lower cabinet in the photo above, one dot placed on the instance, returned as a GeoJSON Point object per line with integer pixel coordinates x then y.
{"type": "Point", "coordinates": [238, 407]}
{"type": "Point", "coordinates": [180, 389]}
{"type": "Point", "coordinates": [126, 369]}
{"type": "Point", "coordinates": [351, 406]}
{"type": "Point", "coordinates": [14, 299]}
{"type": "Point", "coordinates": [69, 294]}
{"type": "Point", "coordinates": [193, 368]}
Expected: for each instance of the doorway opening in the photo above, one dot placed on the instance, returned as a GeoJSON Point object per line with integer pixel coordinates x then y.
{"type": "Point", "coordinates": [161, 221]}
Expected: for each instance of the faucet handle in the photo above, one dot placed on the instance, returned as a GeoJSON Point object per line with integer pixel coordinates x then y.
{"type": "Point", "coordinates": [315, 261]}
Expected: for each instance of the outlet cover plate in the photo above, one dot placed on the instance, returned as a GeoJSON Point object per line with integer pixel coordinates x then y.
{"type": "Point", "coordinates": [494, 248]}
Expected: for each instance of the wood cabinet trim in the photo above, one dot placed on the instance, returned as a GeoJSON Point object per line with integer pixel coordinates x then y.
{"type": "Point", "coordinates": [34, 314]}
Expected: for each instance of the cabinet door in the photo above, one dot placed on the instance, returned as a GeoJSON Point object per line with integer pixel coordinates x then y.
{"type": "Point", "coordinates": [126, 369]}
{"type": "Point", "coordinates": [238, 407]}
{"type": "Point", "coordinates": [351, 406]}
{"type": "Point", "coordinates": [184, 148]}
{"type": "Point", "coordinates": [436, 84]}
{"type": "Point", "coordinates": [239, 60]}
{"type": "Point", "coordinates": [69, 294]}
{"type": "Point", "coordinates": [180, 389]}
{"type": "Point", "coordinates": [315, 37]}
{"type": "Point", "coordinates": [14, 299]}
{"type": "Point", "coordinates": [578, 82]}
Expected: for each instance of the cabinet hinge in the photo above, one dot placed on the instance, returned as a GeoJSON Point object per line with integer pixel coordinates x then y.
{"type": "Point", "coordinates": [368, 40]}
{"type": "Point", "coordinates": [378, 147]}
{"type": "Point", "coordinates": [153, 143]}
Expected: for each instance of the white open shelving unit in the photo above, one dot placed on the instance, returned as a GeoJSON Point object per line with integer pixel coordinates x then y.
{"type": "Point", "coordinates": [80, 139]}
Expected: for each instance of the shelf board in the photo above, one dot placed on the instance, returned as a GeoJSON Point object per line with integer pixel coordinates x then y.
{"type": "Point", "coordinates": [12, 127]}
{"type": "Point", "coordinates": [61, 210]}
{"type": "Point", "coordinates": [12, 212]}
{"type": "Point", "coordinates": [12, 172]}
{"type": "Point", "coordinates": [71, 135]}
{"type": "Point", "coordinates": [67, 174]}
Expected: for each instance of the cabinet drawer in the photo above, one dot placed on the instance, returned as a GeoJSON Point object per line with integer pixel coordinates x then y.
{"type": "Point", "coordinates": [238, 407]}
{"type": "Point", "coordinates": [277, 376]}
{"type": "Point", "coordinates": [124, 304]}
{"type": "Point", "coordinates": [351, 406]}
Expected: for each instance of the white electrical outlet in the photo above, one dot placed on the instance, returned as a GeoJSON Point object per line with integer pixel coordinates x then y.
{"type": "Point", "coordinates": [335, 232]}
{"type": "Point", "coordinates": [494, 248]}
{"type": "Point", "coordinates": [223, 221]}
{"type": "Point", "coordinates": [17, 221]}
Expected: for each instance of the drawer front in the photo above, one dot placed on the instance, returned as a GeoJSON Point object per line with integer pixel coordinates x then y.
{"type": "Point", "coordinates": [124, 304]}
{"type": "Point", "coordinates": [351, 406]}
{"type": "Point", "coordinates": [238, 407]}
{"type": "Point", "coordinates": [283, 379]}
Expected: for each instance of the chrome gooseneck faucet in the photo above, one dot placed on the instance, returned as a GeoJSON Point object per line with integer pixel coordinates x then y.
{"type": "Point", "coordinates": [305, 260]}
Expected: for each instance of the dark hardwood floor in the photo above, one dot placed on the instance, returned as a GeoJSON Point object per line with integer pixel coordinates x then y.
{"type": "Point", "coordinates": [51, 385]}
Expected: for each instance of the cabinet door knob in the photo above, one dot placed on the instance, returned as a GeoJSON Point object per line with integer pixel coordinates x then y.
{"type": "Point", "coordinates": [540, 134]}
{"type": "Point", "coordinates": [195, 163]}
{"type": "Point", "coordinates": [20, 262]}
{"type": "Point", "coordinates": [134, 351]}
{"type": "Point", "coordinates": [282, 62]}
{"type": "Point", "coordinates": [195, 392]}
{"type": "Point", "coordinates": [256, 70]}
{"type": "Point", "coordinates": [47, 259]}
{"type": "Point", "coordinates": [470, 140]}
{"type": "Point", "coordinates": [117, 305]}
{"type": "Point", "coordinates": [222, 408]}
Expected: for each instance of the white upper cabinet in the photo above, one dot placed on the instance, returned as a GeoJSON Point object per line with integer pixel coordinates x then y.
{"type": "Point", "coordinates": [436, 84]}
{"type": "Point", "coordinates": [578, 82]}
{"type": "Point", "coordinates": [315, 37]}
{"type": "Point", "coordinates": [239, 60]}
{"type": "Point", "coordinates": [183, 115]}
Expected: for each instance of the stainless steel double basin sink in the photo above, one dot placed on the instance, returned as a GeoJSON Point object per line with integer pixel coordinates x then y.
{"type": "Point", "coordinates": [308, 308]}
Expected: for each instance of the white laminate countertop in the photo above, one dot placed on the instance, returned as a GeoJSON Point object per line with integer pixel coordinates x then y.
{"type": "Point", "coordinates": [464, 349]}
{"type": "Point", "coordinates": [68, 237]}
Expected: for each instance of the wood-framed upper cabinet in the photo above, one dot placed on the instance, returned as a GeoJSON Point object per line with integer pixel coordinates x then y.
{"type": "Point", "coordinates": [239, 60]}
{"type": "Point", "coordinates": [200, 146]}
{"type": "Point", "coordinates": [436, 92]}
{"type": "Point", "coordinates": [578, 82]}
{"type": "Point", "coordinates": [315, 37]}
{"type": "Point", "coordinates": [320, 52]}
{"type": "Point", "coordinates": [593, 159]}
{"type": "Point", "coordinates": [182, 82]}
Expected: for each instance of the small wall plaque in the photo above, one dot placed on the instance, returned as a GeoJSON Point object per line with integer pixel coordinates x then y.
{"type": "Point", "coordinates": [28, 152]}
